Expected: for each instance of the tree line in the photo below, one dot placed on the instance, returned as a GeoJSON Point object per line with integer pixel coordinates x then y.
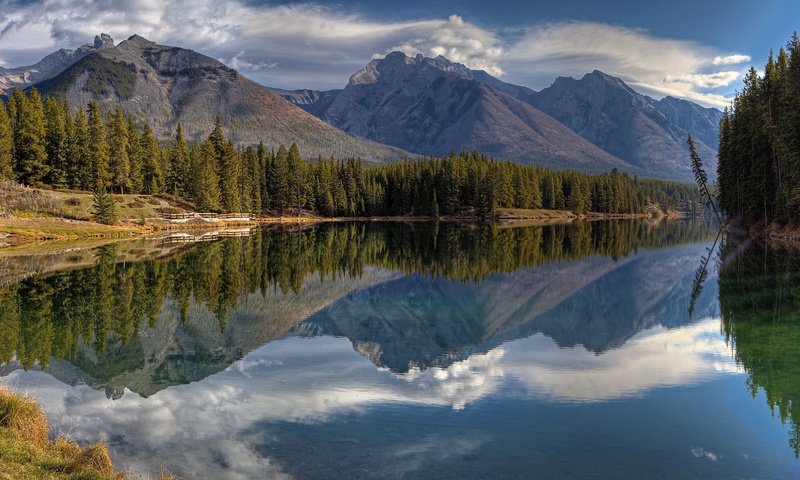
{"type": "Point", "coordinates": [759, 151]}
{"type": "Point", "coordinates": [47, 142]}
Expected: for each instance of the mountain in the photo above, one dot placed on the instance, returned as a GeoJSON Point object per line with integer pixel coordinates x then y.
{"type": "Point", "coordinates": [644, 132]}
{"type": "Point", "coordinates": [49, 66]}
{"type": "Point", "coordinates": [432, 106]}
{"type": "Point", "coordinates": [167, 85]}
{"type": "Point", "coordinates": [702, 123]}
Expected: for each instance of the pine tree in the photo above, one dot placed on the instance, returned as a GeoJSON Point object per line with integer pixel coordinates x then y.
{"type": "Point", "coordinates": [104, 209]}
{"type": "Point", "coordinates": [229, 174]}
{"type": "Point", "coordinates": [178, 165]}
{"type": "Point", "coordinates": [98, 147]}
{"type": "Point", "coordinates": [297, 178]}
{"type": "Point", "coordinates": [263, 160]}
{"type": "Point", "coordinates": [152, 175]}
{"type": "Point", "coordinates": [136, 156]}
{"type": "Point", "coordinates": [81, 170]}
{"type": "Point", "coordinates": [119, 161]}
{"type": "Point", "coordinates": [56, 142]}
{"type": "Point", "coordinates": [6, 146]}
{"type": "Point", "coordinates": [207, 197]}
{"type": "Point", "coordinates": [29, 138]}
{"type": "Point", "coordinates": [280, 174]}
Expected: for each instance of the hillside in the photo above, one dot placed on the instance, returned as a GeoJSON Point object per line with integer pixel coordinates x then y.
{"type": "Point", "coordinates": [166, 85]}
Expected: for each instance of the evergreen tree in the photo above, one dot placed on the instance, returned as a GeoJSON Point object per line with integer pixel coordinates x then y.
{"type": "Point", "coordinates": [81, 169]}
{"type": "Point", "coordinates": [98, 147]}
{"type": "Point", "coordinates": [29, 138]}
{"type": "Point", "coordinates": [104, 210]}
{"type": "Point", "coordinates": [6, 146]}
{"type": "Point", "coordinates": [136, 156]}
{"type": "Point", "coordinates": [56, 142]}
{"type": "Point", "coordinates": [229, 173]}
{"type": "Point", "coordinates": [178, 165]}
{"type": "Point", "coordinates": [152, 175]}
{"type": "Point", "coordinates": [207, 196]}
{"type": "Point", "coordinates": [119, 159]}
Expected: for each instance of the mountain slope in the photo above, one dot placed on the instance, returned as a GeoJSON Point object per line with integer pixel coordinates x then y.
{"type": "Point", "coordinates": [432, 106]}
{"type": "Point", "coordinates": [49, 66]}
{"type": "Point", "coordinates": [644, 132]}
{"type": "Point", "coordinates": [166, 85]}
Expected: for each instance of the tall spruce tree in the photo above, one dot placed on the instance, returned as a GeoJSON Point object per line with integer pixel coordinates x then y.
{"type": "Point", "coordinates": [29, 138]}
{"type": "Point", "coordinates": [152, 175]}
{"type": "Point", "coordinates": [178, 165]}
{"type": "Point", "coordinates": [206, 180]}
{"type": "Point", "coordinates": [98, 147]}
{"type": "Point", "coordinates": [119, 164]}
{"type": "Point", "coordinates": [56, 142]}
{"type": "Point", "coordinates": [6, 145]}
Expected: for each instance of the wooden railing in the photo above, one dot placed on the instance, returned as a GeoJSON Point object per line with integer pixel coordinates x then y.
{"type": "Point", "coordinates": [218, 216]}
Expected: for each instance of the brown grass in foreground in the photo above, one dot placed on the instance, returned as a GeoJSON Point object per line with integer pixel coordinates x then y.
{"type": "Point", "coordinates": [26, 451]}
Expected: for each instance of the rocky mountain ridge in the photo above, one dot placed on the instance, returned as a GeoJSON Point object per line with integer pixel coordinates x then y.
{"type": "Point", "coordinates": [432, 106]}
{"type": "Point", "coordinates": [165, 85]}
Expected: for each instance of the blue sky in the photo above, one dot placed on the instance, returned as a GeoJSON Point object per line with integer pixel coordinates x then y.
{"type": "Point", "coordinates": [695, 50]}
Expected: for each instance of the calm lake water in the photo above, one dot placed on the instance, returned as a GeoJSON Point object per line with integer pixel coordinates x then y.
{"type": "Point", "coordinates": [591, 350]}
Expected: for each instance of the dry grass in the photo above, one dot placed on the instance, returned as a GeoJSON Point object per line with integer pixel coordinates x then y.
{"type": "Point", "coordinates": [527, 213]}
{"type": "Point", "coordinates": [26, 451]}
{"type": "Point", "coordinates": [26, 202]}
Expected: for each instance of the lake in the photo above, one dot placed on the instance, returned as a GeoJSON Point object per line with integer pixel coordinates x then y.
{"type": "Point", "coordinates": [385, 350]}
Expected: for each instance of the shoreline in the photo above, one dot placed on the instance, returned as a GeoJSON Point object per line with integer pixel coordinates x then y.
{"type": "Point", "coordinates": [18, 232]}
{"type": "Point", "coordinates": [771, 232]}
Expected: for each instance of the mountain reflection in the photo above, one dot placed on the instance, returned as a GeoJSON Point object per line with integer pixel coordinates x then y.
{"type": "Point", "coordinates": [759, 295]}
{"type": "Point", "coordinates": [146, 325]}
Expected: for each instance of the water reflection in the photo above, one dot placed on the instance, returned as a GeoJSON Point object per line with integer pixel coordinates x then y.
{"type": "Point", "coordinates": [415, 351]}
{"type": "Point", "coordinates": [151, 324]}
{"type": "Point", "coordinates": [759, 294]}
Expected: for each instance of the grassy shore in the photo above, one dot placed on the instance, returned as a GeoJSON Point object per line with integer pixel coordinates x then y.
{"type": "Point", "coordinates": [30, 215]}
{"type": "Point", "coordinates": [27, 451]}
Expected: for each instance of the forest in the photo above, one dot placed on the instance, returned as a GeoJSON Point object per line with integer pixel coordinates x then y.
{"type": "Point", "coordinates": [759, 151]}
{"type": "Point", "coordinates": [47, 142]}
{"type": "Point", "coordinates": [107, 305]}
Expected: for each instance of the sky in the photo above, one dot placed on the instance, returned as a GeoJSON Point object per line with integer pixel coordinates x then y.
{"type": "Point", "coordinates": [696, 50]}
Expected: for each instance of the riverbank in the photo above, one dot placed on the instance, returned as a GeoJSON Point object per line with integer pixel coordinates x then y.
{"type": "Point", "coordinates": [32, 216]}
{"type": "Point", "coordinates": [28, 452]}
{"type": "Point", "coordinates": [772, 231]}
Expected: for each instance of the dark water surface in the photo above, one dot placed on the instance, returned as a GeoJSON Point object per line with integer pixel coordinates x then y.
{"type": "Point", "coordinates": [419, 351]}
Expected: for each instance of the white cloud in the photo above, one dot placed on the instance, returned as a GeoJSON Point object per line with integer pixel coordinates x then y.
{"type": "Point", "coordinates": [460, 42]}
{"type": "Point", "coordinates": [731, 59]}
{"type": "Point", "coordinates": [706, 80]}
{"type": "Point", "coordinates": [313, 46]}
{"type": "Point", "coordinates": [655, 65]}
{"type": "Point", "coordinates": [222, 426]}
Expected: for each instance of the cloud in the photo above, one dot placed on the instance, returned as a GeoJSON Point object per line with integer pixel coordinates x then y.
{"type": "Point", "coordinates": [460, 42]}
{"type": "Point", "coordinates": [731, 60]}
{"type": "Point", "coordinates": [314, 46]}
{"type": "Point", "coordinates": [706, 80]}
{"type": "Point", "coordinates": [654, 65]}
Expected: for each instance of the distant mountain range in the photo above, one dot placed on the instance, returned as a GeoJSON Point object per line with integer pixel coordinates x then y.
{"type": "Point", "coordinates": [432, 106]}
{"type": "Point", "coordinates": [392, 106]}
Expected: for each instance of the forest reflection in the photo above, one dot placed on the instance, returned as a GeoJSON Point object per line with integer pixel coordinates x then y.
{"type": "Point", "coordinates": [759, 294]}
{"type": "Point", "coordinates": [60, 314]}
